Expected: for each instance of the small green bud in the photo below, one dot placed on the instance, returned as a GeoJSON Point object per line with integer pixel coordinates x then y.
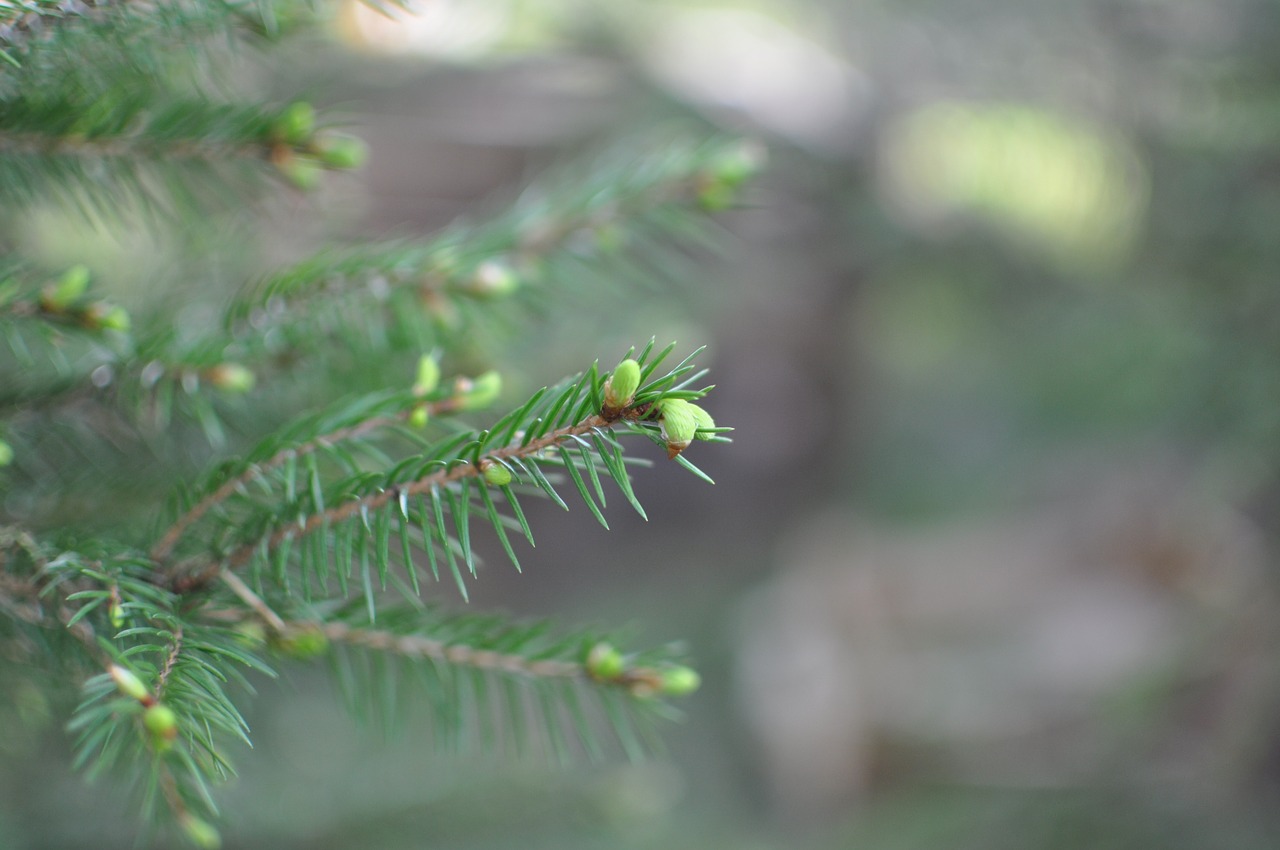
{"type": "Point", "coordinates": [419, 416]}
{"type": "Point", "coordinates": [704, 422]}
{"type": "Point", "coordinates": [493, 279]}
{"type": "Point", "coordinates": [302, 172]}
{"type": "Point", "coordinates": [200, 832]}
{"type": "Point", "coordinates": [303, 642]}
{"type": "Point", "coordinates": [129, 684]}
{"type": "Point", "coordinates": [679, 425]}
{"type": "Point", "coordinates": [620, 389]}
{"type": "Point", "coordinates": [341, 152]}
{"type": "Point", "coordinates": [162, 723]}
{"type": "Point", "coordinates": [610, 238]}
{"type": "Point", "coordinates": [6, 453]}
{"type": "Point", "coordinates": [231, 377]}
{"type": "Point", "coordinates": [103, 315]}
{"type": "Point", "coordinates": [479, 392]}
{"type": "Point", "coordinates": [115, 319]}
{"type": "Point", "coordinates": [67, 290]}
{"type": "Point", "coordinates": [296, 124]}
{"type": "Point", "coordinates": [428, 375]}
{"type": "Point", "coordinates": [495, 474]}
{"type": "Point", "coordinates": [680, 681]}
{"type": "Point", "coordinates": [604, 662]}
{"type": "Point", "coordinates": [734, 166]}
{"type": "Point", "coordinates": [714, 196]}
{"type": "Point", "coordinates": [116, 614]}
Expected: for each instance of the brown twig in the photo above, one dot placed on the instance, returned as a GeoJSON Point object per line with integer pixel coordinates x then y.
{"type": "Point", "coordinates": [416, 646]}
{"type": "Point", "coordinates": [163, 547]}
{"type": "Point", "coordinates": [171, 659]}
{"type": "Point", "coordinates": [185, 581]}
{"type": "Point", "coordinates": [254, 601]}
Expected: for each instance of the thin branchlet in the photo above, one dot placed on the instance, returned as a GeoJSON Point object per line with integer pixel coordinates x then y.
{"type": "Point", "coordinates": [555, 225]}
{"type": "Point", "coordinates": [171, 658]}
{"type": "Point", "coordinates": [131, 148]}
{"type": "Point", "coordinates": [417, 646]}
{"type": "Point", "coordinates": [164, 546]}
{"type": "Point", "coordinates": [187, 579]}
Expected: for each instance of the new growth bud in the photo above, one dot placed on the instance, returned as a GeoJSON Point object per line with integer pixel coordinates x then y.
{"type": "Point", "coordinates": [604, 662]}
{"type": "Point", "coordinates": [724, 175]}
{"type": "Point", "coordinates": [479, 392]}
{"type": "Point", "coordinates": [495, 474]}
{"type": "Point", "coordinates": [162, 723]}
{"type": "Point", "coordinates": [493, 279]}
{"type": "Point", "coordinates": [102, 315]}
{"type": "Point", "coordinates": [129, 684]}
{"type": "Point", "coordinates": [200, 832]}
{"type": "Point", "coordinates": [680, 681]}
{"type": "Point", "coordinates": [67, 290]}
{"type": "Point", "coordinates": [340, 151]}
{"type": "Point", "coordinates": [704, 422]}
{"type": "Point", "coordinates": [303, 642]}
{"type": "Point", "coordinates": [231, 377]}
{"type": "Point", "coordinates": [302, 172]}
{"type": "Point", "coordinates": [428, 375]}
{"type": "Point", "coordinates": [620, 389]}
{"type": "Point", "coordinates": [679, 424]}
{"type": "Point", "coordinates": [296, 124]}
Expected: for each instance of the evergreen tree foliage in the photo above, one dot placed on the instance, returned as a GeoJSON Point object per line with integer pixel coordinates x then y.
{"type": "Point", "coordinates": [176, 511]}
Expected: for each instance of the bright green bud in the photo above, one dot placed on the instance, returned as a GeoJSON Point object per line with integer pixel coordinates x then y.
{"type": "Point", "coordinates": [428, 375]}
{"type": "Point", "coordinates": [200, 832]}
{"type": "Point", "coordinates": [736, 165]}
{"type": "Point", "coordinates": [715, 196]}
{"type": "Point", "coordinates": [116, 613]}
{"type": "Point", "coordinates": [6, 453]}
{"type": "Point", "coordinates": [679, 424]}
{"type": "Point", "coordinates": [162, 723]}
{"type": "Point", "coordinates": [493, 279]}
{"type": "Point", "coordinates": [479, 392]}
{"type": "Point", "coordinates": [303, 642]}
{"type": "Point", "coordinates": [296, 124]}
{"type": "Point", "coordinates": [704, 422]}
{"type": "Point", "coordinates": [115, 318]}
{"type": "Point", "coordinates": [101, 314]}
{"type": "Point", "coordinates": [302, 172]}
{"type": "Point", "coordinates": [680, 681]}
{"type": "Point", "coordinates": [605, 662]}
{"type": "Point", "coordinates": [620, 389]}
{"type": "Point", "coordinates": [129, 684]}
{"type": "Point", "coordinates": [496, 474]}
{"type": "Point", "coordinates": [342, 152]}
{"type": "Point", "coordinates": [67, 290]}
{"type": "Point", "coordinates": [419, 416]}
{"type": "Point", "coordinates": [231, 377]}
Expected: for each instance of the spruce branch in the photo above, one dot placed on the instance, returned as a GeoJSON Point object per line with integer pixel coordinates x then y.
{"type": "Point", "coordinates": [151, 144]}
{"type": "Point", "coordinates": [163, 547]}
{"type": "Point", "coordinates": [553, 241]}
{"type": "Point", "coordinates": [571, 430]}
{"type": "Point", "coordinates": [522, 676]}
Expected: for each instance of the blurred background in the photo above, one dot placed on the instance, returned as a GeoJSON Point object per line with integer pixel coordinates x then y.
{"type": "Point", "coordinates": [992, 560]}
